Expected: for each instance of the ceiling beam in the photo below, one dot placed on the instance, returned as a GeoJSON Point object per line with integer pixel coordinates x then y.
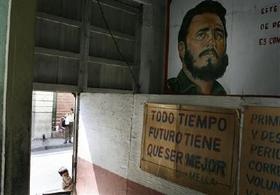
{"type": "Point", "coordinates": [109, 62]}
{"type": "Point", "coordinates": [105, 90]}
{"type": "Point", "coordinates": [77, 24]}
{"type": "Point", "coordinates": [54, 87]}
{"type": "Point", "coordinates": [145, 2]}
{"type": "Point", "coordinates": [76, 56]}
{"type": "Point", "coordinates": [57, 19]}
{"type": "Point", "coordinates": [130, 9]}
{"type": "Point", "coordinates": [37, 86]}
{"type": "Point", "coordinates": [117, 35]}
{"type": "Point", "coordinates": [58, 53]}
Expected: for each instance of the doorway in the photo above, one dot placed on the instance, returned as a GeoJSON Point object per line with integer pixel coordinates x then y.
{"type": "Point", "coordinates": [50, 148]}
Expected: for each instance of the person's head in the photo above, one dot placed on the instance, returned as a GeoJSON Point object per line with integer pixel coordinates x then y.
{"type": "Point", "coordinates": [63, 172]}
{"type": "Point", "coordinates": [202, 41]}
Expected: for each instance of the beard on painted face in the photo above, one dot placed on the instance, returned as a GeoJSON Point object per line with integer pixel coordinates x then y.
{"type": "Point", "coordinates": [210, 71]}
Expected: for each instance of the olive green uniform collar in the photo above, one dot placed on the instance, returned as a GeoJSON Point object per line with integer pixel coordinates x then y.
{"type": "Point", "coordinates": [183, 85]}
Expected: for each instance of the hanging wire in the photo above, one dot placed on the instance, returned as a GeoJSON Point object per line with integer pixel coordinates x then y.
{"type": "Point", "coordinates": [135, 83]}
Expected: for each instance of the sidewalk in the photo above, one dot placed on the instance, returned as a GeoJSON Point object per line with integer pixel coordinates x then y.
{"type": "Point", "coordinates": [44, 176]}
{"type": "Point", "coordinates": [49, 143]}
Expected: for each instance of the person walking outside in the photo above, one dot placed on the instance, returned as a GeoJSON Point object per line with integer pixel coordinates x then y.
{"type": "Point", "coordinates": [69, 126]}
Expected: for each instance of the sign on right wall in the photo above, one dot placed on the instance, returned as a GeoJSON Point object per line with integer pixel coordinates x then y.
{"type": "Point", "coordinates": [260, 152]}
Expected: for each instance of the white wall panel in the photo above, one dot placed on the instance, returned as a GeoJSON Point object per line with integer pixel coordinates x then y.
{"type": "Point", "coordinates": [110, 132]}
{"type": "Point", "coordinates": [104, 134]}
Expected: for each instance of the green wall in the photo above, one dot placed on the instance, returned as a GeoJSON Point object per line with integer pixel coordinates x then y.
{"type": "Point", "coordinates": [4, 7]}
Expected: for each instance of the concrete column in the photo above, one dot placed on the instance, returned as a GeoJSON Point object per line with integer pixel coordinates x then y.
{"type": "Point", "coordinates": [151, 76]}
{"type": "Point", "coordinates": [17, 100]}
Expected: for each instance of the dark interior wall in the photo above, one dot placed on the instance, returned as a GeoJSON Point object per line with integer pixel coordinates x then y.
{"type": "Point", "coordinates": [74, 43]}
{"type": "Point", "coordinates": [64, 8]}
{"type": "Point", "coordinates": [19, 98]}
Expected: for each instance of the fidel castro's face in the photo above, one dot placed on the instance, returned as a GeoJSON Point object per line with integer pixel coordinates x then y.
{"type": "Point", "coordinates": [205, 40]}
